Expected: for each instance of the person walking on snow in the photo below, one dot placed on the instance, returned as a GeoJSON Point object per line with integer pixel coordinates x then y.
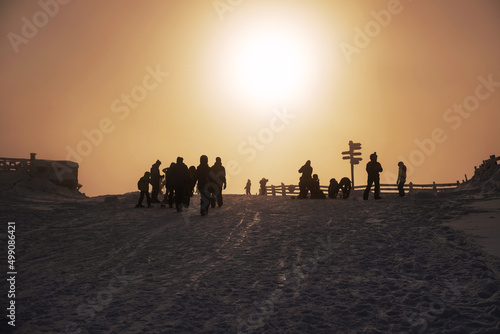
{"type": "Point", "coordinates": [218, 174]}
{"type": "Point", "coordinates": [247, 187]}
{"type": "Point", "coordinates": [143, 186]}
{"type": "Point", "coordinates": [155, 181]}
{"type": "Point", "coordinates": [373, 168]}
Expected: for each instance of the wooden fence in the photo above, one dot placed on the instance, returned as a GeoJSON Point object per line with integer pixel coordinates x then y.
{"type": "Point", "coordinates": [17, 165]}
{"type": "Point", "coordinates": [293, 190]}
{"type": "Point", "coordinates": [484, 168]}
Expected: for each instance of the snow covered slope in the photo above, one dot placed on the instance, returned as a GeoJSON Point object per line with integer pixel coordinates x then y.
{"type": "Point", "coordinates": [257, 264]}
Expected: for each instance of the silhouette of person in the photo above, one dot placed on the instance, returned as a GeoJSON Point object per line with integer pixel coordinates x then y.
{"type": "Point", "coordinates": [218, 174]}
{"type": "Point", "coordinates": [401, 178]}
{"type": "Point", "coordinates": [373, 168]}
{"type": "Point", "coordinates": [316, 191]}
{"type": "Point", "coordinates": [155, 181]}
{"type": "Point", "coordinates": [263, 188]}
{"type": "Point", "coordinates": [305, 183]}
{"type": "Point", "coordinates": [190, 185]}
{"type": "Point", "coordinates": [143, 186]}
{"type": "Point", "coordinates": [247, 187]}
{"type": "Point", "coordinates": [345, 185]}
{"type": "Point", "coordinates": [180, 174]}
{"type": "Point", "coordinates": [333, 189]}
{"type": "Point", "coordinates": [203, 180]}
{"type": "Point", "coordinates": [169, 186]}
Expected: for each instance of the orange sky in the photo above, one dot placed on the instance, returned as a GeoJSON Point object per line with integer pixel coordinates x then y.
{"type": "Point", "coordinates": [265, 85]}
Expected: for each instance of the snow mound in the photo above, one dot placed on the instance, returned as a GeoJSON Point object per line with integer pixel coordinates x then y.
{"type": "Point", "coordinates": [487, 184]}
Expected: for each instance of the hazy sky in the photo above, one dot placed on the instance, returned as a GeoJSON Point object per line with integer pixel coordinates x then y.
{"type": "Point", "coordinates": [265, 85]}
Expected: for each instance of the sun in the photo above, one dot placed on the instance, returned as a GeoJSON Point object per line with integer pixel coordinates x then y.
{"type": "Point", "coordinates": [266, 60]}
{"type": "Point", "coordinates": [271, 66]}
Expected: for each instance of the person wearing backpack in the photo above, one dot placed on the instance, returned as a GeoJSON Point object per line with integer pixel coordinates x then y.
{"type": "Point", "coordinates": [143, 186]}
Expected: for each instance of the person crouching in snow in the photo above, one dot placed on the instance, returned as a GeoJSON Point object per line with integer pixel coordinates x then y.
{"type": "Point", "coordinates": [316, 191]}
{"type": "Point", "coordinates": [143, 186]}
{"type": "Point", "coordinates": [333, 188]}
{"type": "Point", "coordinates": [345, 185]}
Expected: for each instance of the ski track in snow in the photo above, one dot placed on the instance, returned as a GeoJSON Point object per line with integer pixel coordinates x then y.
{"type": "Point", "coordinates": [391, 266]}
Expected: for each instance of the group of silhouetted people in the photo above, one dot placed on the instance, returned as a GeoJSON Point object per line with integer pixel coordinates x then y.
{"type": "Point", "coordinates": [180, 182]}
{"type": "Point", "coordinates": [374, 168]}
{"type": "Point", "coordinates": [309, 183]}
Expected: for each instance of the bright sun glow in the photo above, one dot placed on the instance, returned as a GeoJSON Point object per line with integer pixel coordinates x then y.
{"type": "Point", "coordinates": [267, 60]}
{"type": "Point", "coordinates": [271, 66]}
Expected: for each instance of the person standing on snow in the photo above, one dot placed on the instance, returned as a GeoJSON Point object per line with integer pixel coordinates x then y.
{"type": "Point", "coordinates": [373, 168]}
{"type": "Point", "coordinates": [306, 181]}
{"type": "Point", "coordinates": [169, 186]}
{"type": "Point", "coordinates": [247, 187]}
{"type": "Point", "coordinates": [263, 186]}
{"type": "Point", "coordinates": [401, 178]}
{"type": "Point", "coordinates": [203, 180]}
{"type": "Point", "coordinates": [155, 181]}
{"type": "Point", "coordinates": [180, 173]}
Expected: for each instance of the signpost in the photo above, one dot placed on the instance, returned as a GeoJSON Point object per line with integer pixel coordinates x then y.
{"type": "Point", "coordinates": [351, 155]}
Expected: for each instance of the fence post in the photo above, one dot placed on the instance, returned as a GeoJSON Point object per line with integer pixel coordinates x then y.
{"type": "Point", "coordinates": [273, 190]}
{"type": "Point", "coordinates": [410, 190]}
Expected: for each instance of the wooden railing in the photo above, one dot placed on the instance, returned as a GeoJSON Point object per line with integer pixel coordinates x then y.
{"type": "Point", "coordinates": [274, 190]}
{"type": "Point", "coordinates": [19, 165]}
{"type": "Point", "coordinates": [484, 168]}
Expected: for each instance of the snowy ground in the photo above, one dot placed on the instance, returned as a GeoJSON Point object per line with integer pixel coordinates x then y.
{"type": "Point", "coordinates": [258, 264]}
